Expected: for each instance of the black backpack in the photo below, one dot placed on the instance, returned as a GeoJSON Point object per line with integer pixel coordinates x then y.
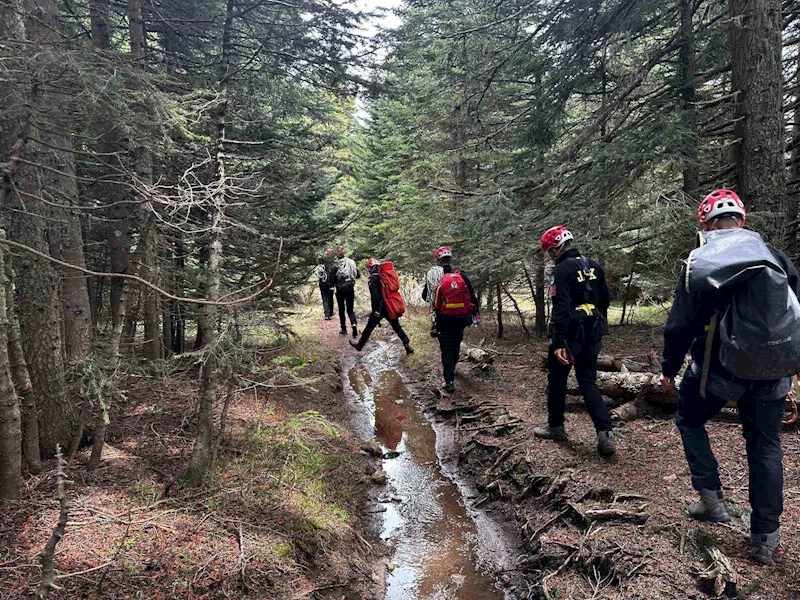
{"type": "Point", "coordinates": [759, 326]}
{"type": "Point", "coordinates": [344, 281]}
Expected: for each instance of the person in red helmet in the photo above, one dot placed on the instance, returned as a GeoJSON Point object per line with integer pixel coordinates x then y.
{"type": "Point", "coordinates": [453, 303]}
{"type": "Point", "coordinates": [697, 322]}
{"type": "Point", "coordinates": [381, 309]}
{"type": "Point", "coordinates": [580, 301]}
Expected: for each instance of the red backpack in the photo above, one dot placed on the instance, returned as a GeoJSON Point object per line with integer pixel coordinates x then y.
{"type": "Point", "coordinates": [390, 286]}
{"type": "Point", "coordinates": [452, 297]}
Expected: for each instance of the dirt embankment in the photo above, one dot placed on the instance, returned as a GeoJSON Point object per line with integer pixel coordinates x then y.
{"type": "Point", "coordinates": [281, 519]}
{"type": "Point", "coordinates": [605, 528]}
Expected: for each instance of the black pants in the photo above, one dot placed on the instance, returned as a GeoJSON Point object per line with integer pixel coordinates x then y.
{"type": "Point", "coordinates": [345, 300]}
{"type": "Point", "coordinates": [372, 323]}
{"type": "Point", "coordinates": [451, 334]}
{"type": "Point", "coordinates": [327, 300]}
{"type": "Point", "coordinates": [586, 374]}
{"type": "Point", "coordinates": [761, 424]}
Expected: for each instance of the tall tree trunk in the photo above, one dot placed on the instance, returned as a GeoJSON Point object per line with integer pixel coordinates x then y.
{"type": "Point", "coordinates": [37, 282]}
{"type": "Point", "coordinates": [203, 446]}
{"type": "Point", "coordinates": [12, 26]}
{"type": "Point", "coordinates": [539, 298]}
{"type": "Point", "coordinates": [66, 243]}
{"type": "Point", "coordinates": [499, 296]}
{"type": "Point", "coordinates": [98, 15]}
{"type": "Point", "coordinates": [756, 75]}
{"type": "Point", "coordinates": [686, 61]}
{"type": "Point", "coordinates": [22, 381]}
{"type": "Point", "coordinates": [10, 426]}
{"type": "Point", "coordinates": [176, 308]}
{"type": "Point", "coordinates": [150, 308]}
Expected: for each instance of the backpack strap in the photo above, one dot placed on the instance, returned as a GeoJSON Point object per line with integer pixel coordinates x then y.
{"type": "Point", "coordinates": [712, 329]}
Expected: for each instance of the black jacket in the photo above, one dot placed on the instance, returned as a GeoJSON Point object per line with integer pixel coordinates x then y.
{"type": "Point", "coordinates": [568, 291]}
{"type": "Point", "coordinates": [692, 312]}
{"type": "Point", "coordinates": [472, 295]}
{"type": "Point", "coordinates": [375, 292]}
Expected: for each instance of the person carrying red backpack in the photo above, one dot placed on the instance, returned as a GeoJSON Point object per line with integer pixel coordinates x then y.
{"type": "Point", "coordinates": [454, 304]}
{"type": "Point", "coordinates": [387, 303]}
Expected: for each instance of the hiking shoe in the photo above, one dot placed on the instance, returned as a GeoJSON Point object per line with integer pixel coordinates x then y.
{"type": "Point", "coordinates": [763, 546]}
{"type": "Point", "coordinates": [550, 433]}
{"type": "Point", "coordinates": [605, 443]}
{"type": "Point", "coordinates": [409, 349]}
{"type": "Point", "coordinates": [355, 331]}
{"type": "Point", "coordinates": [343, 332]}
{"type": "Point", "coordinates": [711, 507]}
{"type": "Point", "coordinates": [357, 345]}
{"type": "Point", "coordinates": [449, 387]}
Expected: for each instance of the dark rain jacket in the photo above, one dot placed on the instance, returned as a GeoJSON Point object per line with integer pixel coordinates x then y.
{"type": "Point", "coordinates": [691, 313]}
{"type": "Point", "coordinates": [568, 291]}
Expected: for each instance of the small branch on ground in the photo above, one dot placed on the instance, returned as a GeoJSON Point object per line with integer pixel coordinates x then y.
{"type": "Point", "coordinates": [47, 556]}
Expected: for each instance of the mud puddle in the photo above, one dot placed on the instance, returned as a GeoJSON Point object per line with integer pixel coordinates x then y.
{"type": "Point", "coordinates": [442, 547]}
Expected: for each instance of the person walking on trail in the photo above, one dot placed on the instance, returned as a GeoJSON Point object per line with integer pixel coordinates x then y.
{"type": "Point", "coordinates": [386, 302]}
{"type": "Point", "coordinates": [326, 284]}
{"type": "Point", "coordinates": [580, 300]}
{"type": "Point", "coordinates": [432, 280]}
{"type": "Point", "coordinates": [454, 306]}
{"type": "Point", "coordinates": [344, 275]}
{"type": "Point", "coordinates": [736, 310]}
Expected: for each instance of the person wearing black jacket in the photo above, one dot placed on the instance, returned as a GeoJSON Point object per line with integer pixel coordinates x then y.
{"type": "Point", "coordinates": [449, 329]}
{"type": "Point", "coordinates": [760, 403]}
{"type": "Point", "coordinates": [580, 301]}
{"type": "Point", "coordinates": [379, 311]}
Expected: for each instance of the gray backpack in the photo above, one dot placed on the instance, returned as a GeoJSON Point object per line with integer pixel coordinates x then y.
{"type": "Point", "coordinates": [759, 329]}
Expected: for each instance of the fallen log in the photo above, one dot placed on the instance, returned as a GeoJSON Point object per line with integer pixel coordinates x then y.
{"type": "Point", "coordinates": [479, 356]}
{"type": "Point", "coordinates": [626, 387]}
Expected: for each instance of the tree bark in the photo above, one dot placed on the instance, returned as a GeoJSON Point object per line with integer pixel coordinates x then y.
{"type": "Point", "coordinates": [686, 68]}
{"type": "Point", "coordinates": [10, 425]}
{"type": "Point", "coordinates": [756, 76]}
{"type": "Point", "coordinates": [22, 381]}
{"type": "Point", "coordinates": [499, 296]}
{"type": "Point", "coordinates": [538, 299]}
{"type": "Point", "coordinates": [203, 447]}
{"type": "Point", "coordinates": [150, 309]}
{"type": "Point", "coordinates": [98, 16]}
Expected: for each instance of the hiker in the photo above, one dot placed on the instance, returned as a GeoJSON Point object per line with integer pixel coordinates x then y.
{"type": "Point", "coordinates": [454, 305]}
{"type": "Point", "coordinates": [326, 284]}
{"type": "Point", "coordinates": [580, 300]}
{"type": "Point", "coordinates": [750, 359]}
{"type": "Point", "coordinates": [344, 275]}
{"type": "Point", "coordinates": [387, 303]}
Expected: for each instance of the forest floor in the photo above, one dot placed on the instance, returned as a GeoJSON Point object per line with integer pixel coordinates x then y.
{"type": "Point", "coordinates": [281, 518]}
{"type": "Point", "coordinates": [645, 546]}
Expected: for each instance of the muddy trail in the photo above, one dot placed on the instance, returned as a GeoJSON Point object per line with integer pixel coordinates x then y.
{"type": "Point", "coordinates": [441, 546]}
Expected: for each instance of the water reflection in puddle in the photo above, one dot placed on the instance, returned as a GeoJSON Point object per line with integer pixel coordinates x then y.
{"type": "Point", "coordinates": [434, 537]}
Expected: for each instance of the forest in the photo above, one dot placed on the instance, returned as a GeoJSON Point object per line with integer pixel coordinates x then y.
{"type": "Point", "coordinates": [176, 418]}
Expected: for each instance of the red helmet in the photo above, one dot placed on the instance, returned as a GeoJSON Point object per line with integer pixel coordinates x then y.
{"type": "Point", "coordinates": [720, 202]}
{"type": "Point", "coordinates": [555, 237]}
{"type": "Point", "coordinates": [442, 252]}
{"type": "Point", "coordinates": [372, 262]}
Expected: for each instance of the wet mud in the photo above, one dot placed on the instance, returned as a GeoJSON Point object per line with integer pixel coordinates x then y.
{"type": "Point", "coordinates": [442, 548]}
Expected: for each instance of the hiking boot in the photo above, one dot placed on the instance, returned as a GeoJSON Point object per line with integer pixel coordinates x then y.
{"type": "Point", "coordinates": [343, 332]}
{"type": "Point", "coordinates": [763, 546]}
{"type": "Point", "coordinates": [550, 433]}
{"type": "Point", "coordinates": [357, 345]}
{"type": "Point", "coordinates": [409, 349]}
{"type": "Point", "coordinates": [449, 387]}
{"type": "Point", "coordinates": [711, 507]}
{"type": "Point", "coordinates": [355, 331]}
{"type": "Point", "coordinates": [605, 443]}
